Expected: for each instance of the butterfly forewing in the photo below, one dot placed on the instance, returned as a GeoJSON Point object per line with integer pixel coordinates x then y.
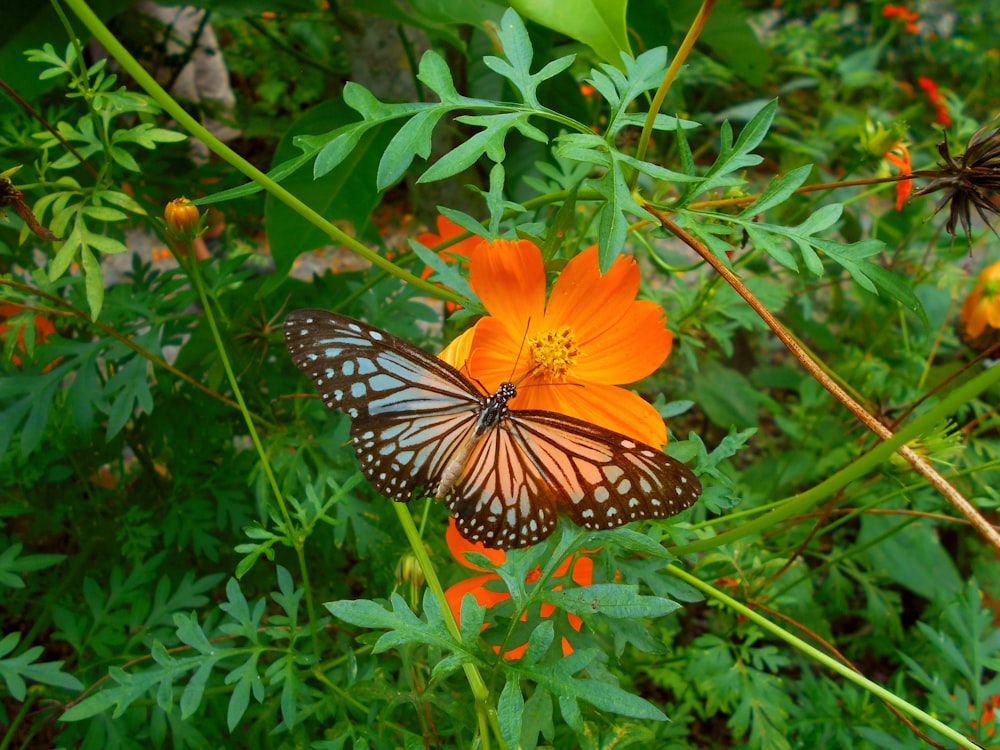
{"type": "Point", "coordinates": [411, 412]}
{"type": "Point", "coordinates": [414, 427]}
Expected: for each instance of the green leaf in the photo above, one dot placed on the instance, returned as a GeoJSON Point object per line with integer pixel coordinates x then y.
{"type": "Point", "coordinates": [734, 157]}
{"type": "Point", "coordinates": [341, 190]}
{"type": "Point", "coordinates": [517, 48]}
{"type": "Point", "coordinates": [401, 624]}
{"type": "Point", "coordinates": [12, 563]}
{"type": "Point", "coordinates": [16, 670]}
{"type": "Point", "coordinates": [777, 191]}
{"type": "Point", "coordinates": [247, 681]}
{"type": "Point", "coordinates": [600, 24]}
{"type": "Point", "coordinates": [610, 599]}
{"type": "Point", "coordinates": [413, 139]}
{"type": "Point", "coordinates": [194, 690]}
{"type": "Point", "coordinates": [488, 141]}
{"type": "Point", "coordinates": [94, 276]}
{"type": "Point", "coordinates": [510, 711]}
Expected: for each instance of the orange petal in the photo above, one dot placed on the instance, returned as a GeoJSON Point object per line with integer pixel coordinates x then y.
{"type": "Point", "coordinates": [973, 314]}
{"type": "Point", "coordinates": [459, 545]}
{"type": "Point", "coordinates": [606, 406]}
{"type": "Point", "coordinates": [993, 312]}
{"type": "Point", "coordinates": [475, 586]}
{"type": "Point", "coordinates": [588, 302]}
{"type": "Point", "coordinates": [515, 653]}
{"type": "Point", "coordinates": [458, 352]}
{"type": "Point", "coordinates": [583, 572]}
{"type": "Point", "coordinates": [630, 351]}
{"type": "Point", "coordinates": [497, 353]}
{"type": "Point", "coordinates": [509, 278]}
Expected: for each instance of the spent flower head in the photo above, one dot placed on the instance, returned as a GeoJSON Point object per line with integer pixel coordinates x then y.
{"type": "Point", "coordinates": [971, 180]}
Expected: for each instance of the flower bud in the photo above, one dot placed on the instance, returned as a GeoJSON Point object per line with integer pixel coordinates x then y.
{"type": "Point", "coordinates": [183, 219]}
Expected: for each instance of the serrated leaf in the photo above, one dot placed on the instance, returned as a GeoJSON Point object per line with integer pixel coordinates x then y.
{"type": "Point", "coordinates": [401, 624]}
{"type": "Point", "coordinates": [778, 191]}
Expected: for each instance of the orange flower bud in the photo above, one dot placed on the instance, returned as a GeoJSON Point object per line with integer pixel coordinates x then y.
{"type": "Point", "coordinates": [183, 218]}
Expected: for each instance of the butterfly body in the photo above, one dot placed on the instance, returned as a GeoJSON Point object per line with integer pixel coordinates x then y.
{"type": "Point", "coordinates": [419, 425]}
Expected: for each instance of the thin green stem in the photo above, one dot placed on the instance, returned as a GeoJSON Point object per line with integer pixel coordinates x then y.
{"type": "Point", "coordinates": [486, 713]}
{"type": "Point", "coordinates": [169, 105]}
{"type": "Point", "coordinates": [814, 653]}
{"type": "Point", "coordinates": [298, 540]}
{"type": "Point", "coordinates": [680, 56]}
{"type": "Point", "coordinates": [857, 469]}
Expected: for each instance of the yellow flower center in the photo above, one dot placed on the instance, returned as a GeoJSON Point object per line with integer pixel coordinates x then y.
{"type": "Point", "coordinates": [554, 352]}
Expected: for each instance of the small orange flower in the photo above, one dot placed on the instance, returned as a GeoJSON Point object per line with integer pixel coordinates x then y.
{"type": "Point", "coordinates": [908, 17]}
{"type": "Point", "coordinates": [569, 354]}
{"type": "Point", "coordinates": [937, 101]}
{"type": "Point", "coordinates": [579, 567]}
{"type": "Point", "coordinates": [43, 329]}
{"type": "Point", "coordinates": [982, 307]}
{"type": "Point", "coordinates": [900, 157]}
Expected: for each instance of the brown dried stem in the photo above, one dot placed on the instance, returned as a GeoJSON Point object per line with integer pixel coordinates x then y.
{"type": "Point", "coordinates": [989, 533]}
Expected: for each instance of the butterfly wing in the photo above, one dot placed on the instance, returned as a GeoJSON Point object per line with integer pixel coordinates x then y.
{"type": "Point", "coordinates": [535, 463]}
{"type": "Point", "coordinates": [410, 412]}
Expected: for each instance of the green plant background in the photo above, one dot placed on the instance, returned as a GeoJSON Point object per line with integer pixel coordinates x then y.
{"type": "Point", "coordinates": [188, 553]}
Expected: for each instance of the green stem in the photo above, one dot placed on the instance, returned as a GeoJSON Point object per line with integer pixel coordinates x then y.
{"type": "Point", "coordinates": [814, 653]}
{"type": "Point", "coordinates": [871, 460]}
{"type": "Point", "coordinates": [668, 79]}
{"type": "Point", "coordinates": [486, 713]}
{"type": "Point", "coordinates": [298, 540]}
{"type": "Point", "coordinates": [171, 107]}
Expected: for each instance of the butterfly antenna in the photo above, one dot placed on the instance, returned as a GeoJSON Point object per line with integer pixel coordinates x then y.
{"type": "Point", "coordinates": [517, 359]}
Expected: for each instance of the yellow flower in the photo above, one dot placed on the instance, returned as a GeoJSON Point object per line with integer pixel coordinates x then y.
{"type": "Point", "coordinates": [568, 354]}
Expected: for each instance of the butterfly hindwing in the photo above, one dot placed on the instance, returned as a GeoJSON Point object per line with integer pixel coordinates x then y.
{"type": "Point", "coordinates": [535, 463]}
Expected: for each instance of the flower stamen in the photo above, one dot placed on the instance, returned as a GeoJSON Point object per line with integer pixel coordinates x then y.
{"type": "Point", "coordinates": [554, 352]}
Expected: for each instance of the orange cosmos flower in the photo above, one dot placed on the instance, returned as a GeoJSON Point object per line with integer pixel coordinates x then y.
{"type": "Point", "coordinates": [982, 307]}
{"type": "Point", "coordinates": [579, 567]}
{"type": "Point", "coordinates": [569, 354]}
{"type": "Point", "coordinates": [900, 157]}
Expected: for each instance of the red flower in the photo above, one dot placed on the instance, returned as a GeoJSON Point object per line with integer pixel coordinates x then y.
{"type": "Point", "coordinates": [579, 567]}
{"type": "Point", "coordinates": [909, 18]}
{"type": "Point", "coordinates": [900, 156]}
{"type": "Point", "coordinates": [43, 329]}
{"type": "Point", "coordinates": [937, 101]}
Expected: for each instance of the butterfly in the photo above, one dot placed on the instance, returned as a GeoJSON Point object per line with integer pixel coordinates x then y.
{"type": "Point", "coordinates": [420, 426]}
